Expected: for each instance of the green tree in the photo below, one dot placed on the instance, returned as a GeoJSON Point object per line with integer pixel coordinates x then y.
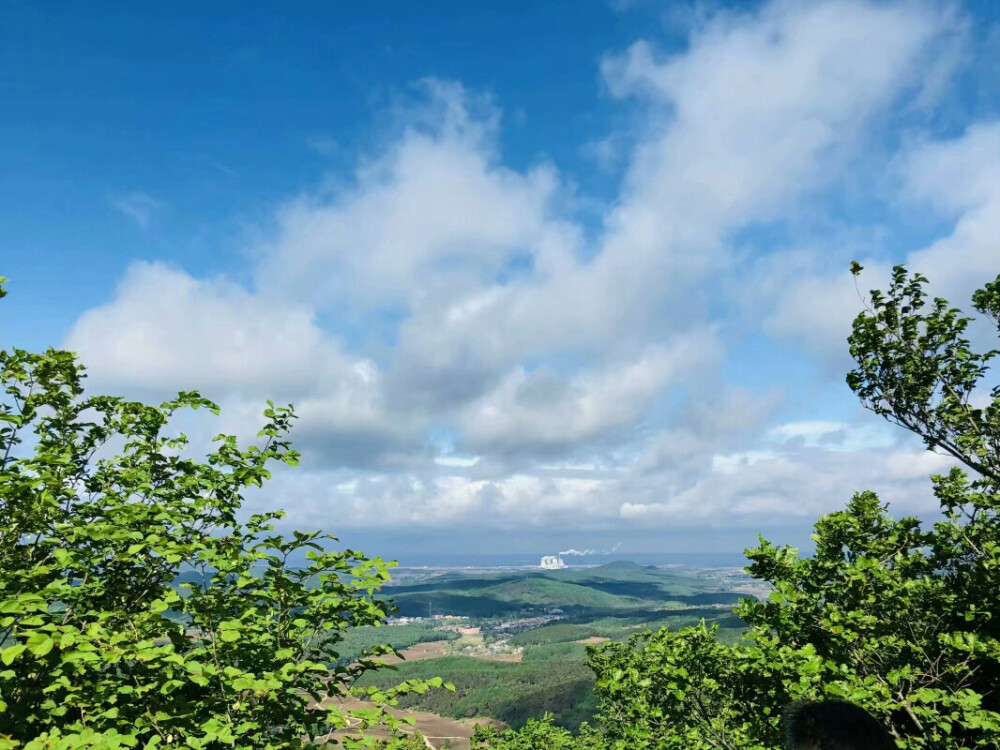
{"type": "Point", "coordinates": [536, 735]}
{"type": "Point", "coordinates": [101, 511]}
{"type": "Point", "coordinates": [414, 741]}
{"type": "Point", "coordinates": [900, 618]}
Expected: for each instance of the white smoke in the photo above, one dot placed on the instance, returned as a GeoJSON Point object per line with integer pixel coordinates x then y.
{"type": "Point", "coordinates": [589, 552]}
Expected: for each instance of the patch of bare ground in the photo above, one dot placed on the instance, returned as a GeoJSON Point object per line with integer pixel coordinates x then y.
{"type": "Point", "coordinates": [420, 651]}
{"type": "Point", "coordinates": [508, 656]}
{"type": "Point", "coordinates": [471, 644]}
{"type": "Point", "coordinates": [594, 639]}
{"type": "Point", "coordinates": [437, 730]}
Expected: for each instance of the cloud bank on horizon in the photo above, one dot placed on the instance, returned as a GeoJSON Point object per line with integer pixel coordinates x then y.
{"type": "Point", "coordinates": [474, 344]}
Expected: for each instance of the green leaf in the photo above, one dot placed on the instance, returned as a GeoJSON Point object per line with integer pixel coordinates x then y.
{"type": "Point", "coordinates": [40, 644]}
{"type": "Point", "coordinates": [10, 653]}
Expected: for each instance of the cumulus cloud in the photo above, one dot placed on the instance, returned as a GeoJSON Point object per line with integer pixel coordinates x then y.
{"type": "Point", "coordinates": [758, 104]}
{"type": "Point", "coordinates": [427, 501]}
{"type": "Point", "coordinates": [748, 120]}
{"type": "Point", "coordinates": [530, 370]}
{"type": "Point", "coordinates": [815, 311]}
{"type": "Point", "coordinates": [959, 178]}
{"type": "Point", "coordinates": [165, 327]}
{"type": "Point", "coordinates": [533, 410]}
{"type": "Point", "coordinates": [166, 331]}
{"type": "Point", "coordinates": [745, 488]}
{"type": "Point", "coordinates": [435, 204]}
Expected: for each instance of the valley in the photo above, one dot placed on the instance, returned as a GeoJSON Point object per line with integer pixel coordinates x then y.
{"type": "Point", "coordinates": [514, 642]}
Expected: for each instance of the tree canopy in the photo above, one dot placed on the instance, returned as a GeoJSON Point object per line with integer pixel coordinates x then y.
{"type": "Point", "coordinates": [102, 510]}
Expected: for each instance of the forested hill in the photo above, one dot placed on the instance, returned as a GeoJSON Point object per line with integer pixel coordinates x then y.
{"type": "Point", "coordinates": [616, 587]}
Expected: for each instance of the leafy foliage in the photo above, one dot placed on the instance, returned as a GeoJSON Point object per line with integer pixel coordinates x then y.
{"type": "Point", "coordinates": [537, 735]}
{"type": "Point", "coordinates": [414, 741]}
{"type": "Point", "coordinates": [100, 511]}
{"type": "Point", "coordinates": [897, 617]}
{"type": "Point", "coordinates": [917, 369]}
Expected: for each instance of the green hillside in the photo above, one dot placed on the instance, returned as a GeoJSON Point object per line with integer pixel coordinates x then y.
{"type": "Point", "coordinates": [619, 570]}
{"type": "Point", "coordinates": [511, 693]}
{"type": "Point", "coordinates": [600, 590]}
{"type": "Point", "coordinates": [629, 579]}
{"type": "Point", "coordinates": [544, 592]}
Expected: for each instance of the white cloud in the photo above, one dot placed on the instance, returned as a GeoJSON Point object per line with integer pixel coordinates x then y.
{"type": "Point", "coordinates": [577, 373]}
{"type": "Point", "coordinates": [517, 501]}
{"type": "Point", "coordinates": [809, 432]}
{"type": "Point", "coordinates": [457, 460]}
{"type": "Point", "coordinates": [958, 175]}
{"type": "Point", "coordinates": [836, 436]}
{"type": "Point", "coordinates": [759, 488]}
{"type": "Point", "coordinates": [538, 409]}
{"type": "Point", "coordinates": [960, 179]}
{"type": "Point", "coordinates": [731, 464]}
{"type": "Point", "coordinates": [757, 105]}
{"type": "Point", "coordinates": [740, 126]}
{"type": "Point", "coordinates": [589, 551]}
{"type": "Point", "coordinates": [436, 206]}
{"type": "Point", "coordinates": [166, 327]}
{"type": "Point", "coordinates": [167, 331]}
{"type": "Point", "coordinates": [816, 311]}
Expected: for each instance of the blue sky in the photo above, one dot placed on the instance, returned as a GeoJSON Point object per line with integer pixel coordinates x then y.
{"type": "Point", "coordinates": [536, 275]}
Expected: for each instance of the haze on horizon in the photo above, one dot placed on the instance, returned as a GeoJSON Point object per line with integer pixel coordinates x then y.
{"type": "Point", "coordinates": [535, 278]}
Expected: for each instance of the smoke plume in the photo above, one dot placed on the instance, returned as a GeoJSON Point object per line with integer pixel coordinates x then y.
{"type": "Point", "coordinates": [589, 552]}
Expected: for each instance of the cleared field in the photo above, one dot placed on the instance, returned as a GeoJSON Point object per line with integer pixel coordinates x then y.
{"type": "Point", "coordinates": [357, 641]}
{"type": "Point", "coordinates": [471, 646]}
{"type": "Point", "coordinates": [432, 650]}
